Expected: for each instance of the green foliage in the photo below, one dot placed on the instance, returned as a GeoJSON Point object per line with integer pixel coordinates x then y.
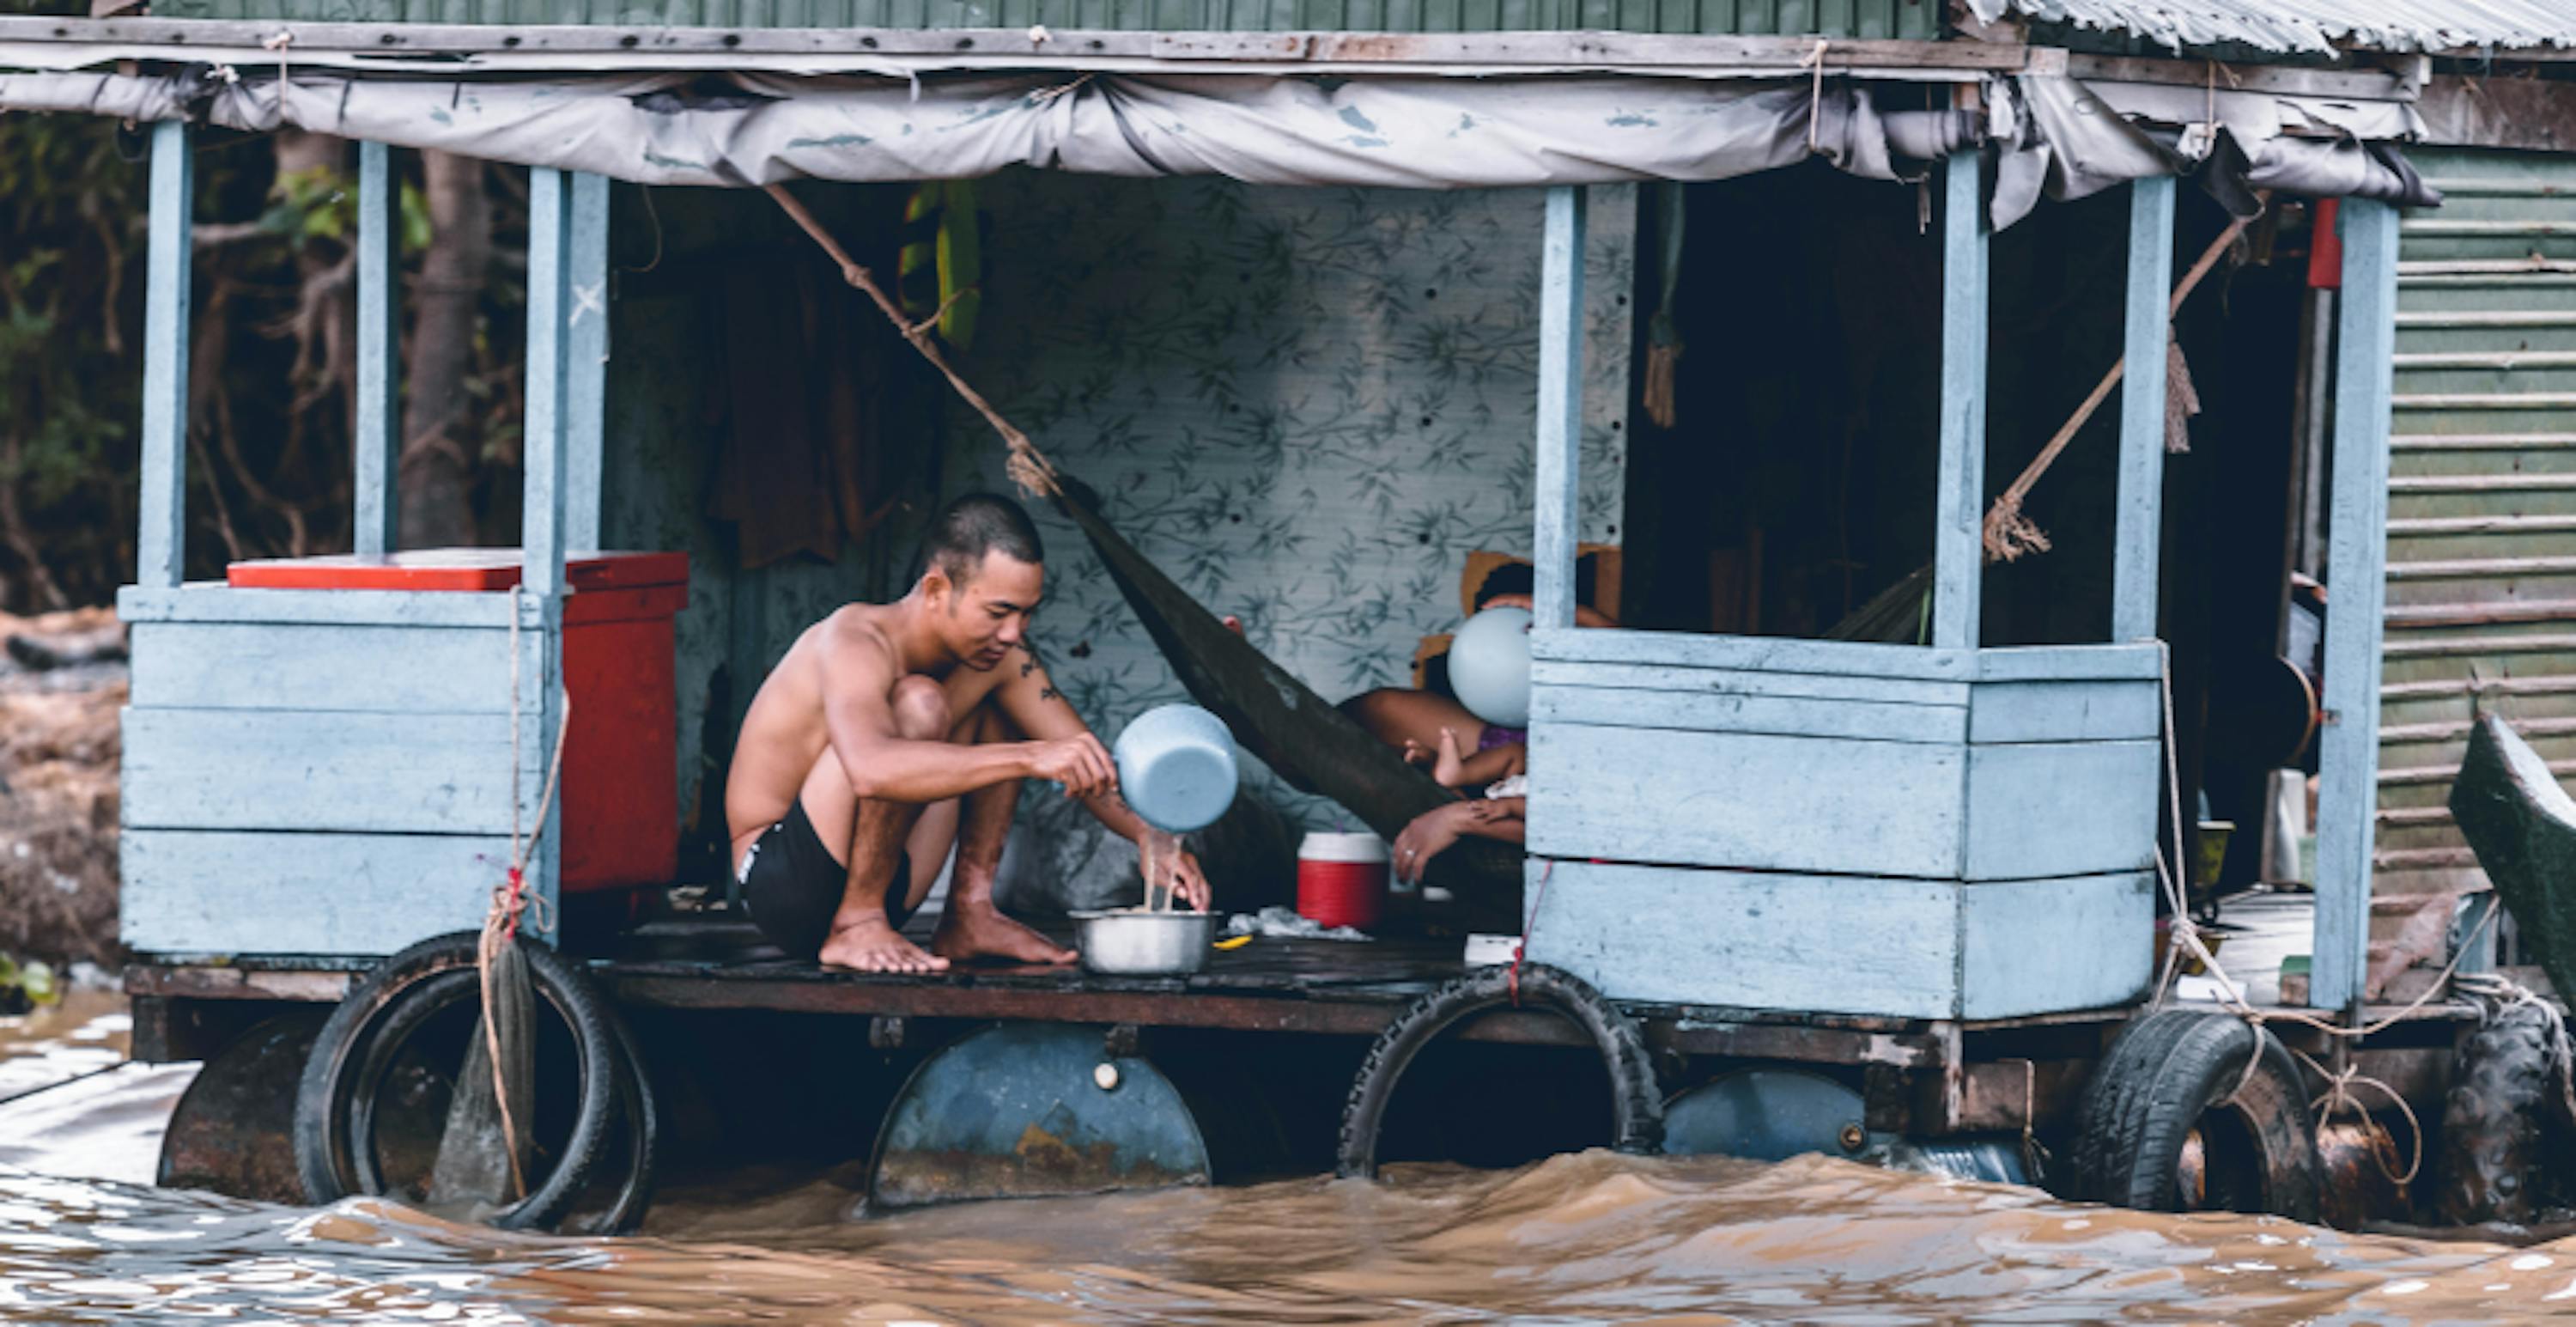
{"type": "Point", "coordinates": [69, 371]}
{"type": "Point", "coordinates": [270, 389]}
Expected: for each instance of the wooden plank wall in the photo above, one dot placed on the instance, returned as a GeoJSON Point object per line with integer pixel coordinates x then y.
{"type": "Point", "coordinates": [324, 773]}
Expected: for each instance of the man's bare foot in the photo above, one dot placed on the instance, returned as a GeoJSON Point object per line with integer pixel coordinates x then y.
{"type": "Point", "coordinates": [971, 930]}
{"type": "Point", "coordinates": [872, 946]}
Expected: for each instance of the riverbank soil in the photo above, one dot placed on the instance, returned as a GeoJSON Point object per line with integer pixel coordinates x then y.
{"type": "Point", "coordinates": [62, 684]}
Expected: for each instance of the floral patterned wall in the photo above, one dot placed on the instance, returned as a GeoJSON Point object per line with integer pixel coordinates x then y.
{"type": "Point", "coordinates": [1307, 405]}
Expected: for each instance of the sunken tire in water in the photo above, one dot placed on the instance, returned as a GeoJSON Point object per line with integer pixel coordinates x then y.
{"type": "Point", "coordinates": [337, 1125]}
{"type": "Point", "coordinates": [1637, 1100]}
{"type": "Point", "coordinates": [2174, 1120]}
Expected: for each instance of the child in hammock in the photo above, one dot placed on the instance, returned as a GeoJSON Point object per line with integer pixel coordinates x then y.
{"type": "Point", "coordinates": [1431, 728]}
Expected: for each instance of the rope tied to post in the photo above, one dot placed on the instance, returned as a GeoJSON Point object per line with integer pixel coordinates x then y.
{"type": "Point", "coordinates": [511, 901]}
{"type": "Point", "coordinates": [2184, 941]}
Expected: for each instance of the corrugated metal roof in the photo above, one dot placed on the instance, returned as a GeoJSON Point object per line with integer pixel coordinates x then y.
{"type": "Point", "coordinates": [2313, 25]}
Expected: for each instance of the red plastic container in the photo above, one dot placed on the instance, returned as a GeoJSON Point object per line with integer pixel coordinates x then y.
{"type": "Point", "coordinates": [1342, 879]}
{"type": "Point", "coordinates": [620, 789]}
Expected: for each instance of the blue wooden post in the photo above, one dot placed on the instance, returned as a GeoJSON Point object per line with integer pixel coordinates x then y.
{"type": "Point", "coordinates": [379, 409]}
{"type": "Point", "coordinates": [586, 335]}
{"type": "Point", "coordinates": [1959, 509]}
{"type": "Point", "coordinates": [161, 542]}
{"type": "Point", "coordinates": [2140, 522]}
{"type": "Point", "coordinates": [541, 521]}
{"type": "Point", "coordinates": [1560, 408]}
{"type": "Point", "coordinates": [2348, 797]}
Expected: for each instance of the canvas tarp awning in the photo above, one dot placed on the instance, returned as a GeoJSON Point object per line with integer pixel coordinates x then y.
{"type": "Point", "coordinates": [2058, 136]}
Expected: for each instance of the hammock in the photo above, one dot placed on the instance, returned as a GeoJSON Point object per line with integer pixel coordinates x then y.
{"type": "Point", "coordinates": [1314, 746]}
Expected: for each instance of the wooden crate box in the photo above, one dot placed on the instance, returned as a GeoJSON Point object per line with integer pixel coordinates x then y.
{"type": "Point", "coordinates": [1844, 827]}
{"type": "Point", "coordinates": [322, 772]}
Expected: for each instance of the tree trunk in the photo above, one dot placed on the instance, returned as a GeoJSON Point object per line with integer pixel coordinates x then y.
{"type": "Point", "coordinates": [437, 467]}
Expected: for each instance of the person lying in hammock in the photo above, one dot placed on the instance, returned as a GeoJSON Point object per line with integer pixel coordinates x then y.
{"type": "Point", "coordinates": [1432, 728]}
{"type": "Point", "coordinates": [891, 732]}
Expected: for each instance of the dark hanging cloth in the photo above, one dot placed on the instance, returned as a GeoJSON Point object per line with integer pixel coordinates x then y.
{"type": "Point", "coordinates": [1313, 745]}
{"type": "Point", "coordinates": [828, 419]}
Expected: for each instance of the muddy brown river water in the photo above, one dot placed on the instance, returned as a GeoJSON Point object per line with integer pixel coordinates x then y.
{"type": "Point", "coordinates": [1584, 1238]}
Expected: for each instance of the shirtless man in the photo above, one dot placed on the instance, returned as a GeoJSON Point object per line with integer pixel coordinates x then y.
{"type": "Point", "coordinates": [891, 732]}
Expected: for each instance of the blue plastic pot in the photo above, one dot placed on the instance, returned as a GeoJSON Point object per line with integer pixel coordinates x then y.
{"type": "Point", "coordinates": [1176, 766]}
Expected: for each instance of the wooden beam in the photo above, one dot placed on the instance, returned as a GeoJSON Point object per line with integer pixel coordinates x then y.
{"type": "Point", "coordinates": [586, 365]}
{"type": "Point", "coordinates": [2361, 84]}
{"type": "Point", "coordinates": [403, 43]}
{"type": "Point", "coordinates": [1959, 504]}
{"type": "Point", "coordinates": [377, 431]}
{"type": "Point", "coordinates": [1556, 488]}
{"type": "Point", "coordinates": [541, 520]}
{"type": "Point", "coordinates": [2355, 571]}
{"type": "Point", "coordinates": [2139, 520]}
{"type": "Point", "coordinates": [161, 541]}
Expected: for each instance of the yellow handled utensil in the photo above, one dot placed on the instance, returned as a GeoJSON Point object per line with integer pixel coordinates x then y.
{"type": "Point", "coordinates": [1234, 942]}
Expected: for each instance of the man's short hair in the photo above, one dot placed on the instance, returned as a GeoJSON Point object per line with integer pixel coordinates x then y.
{"type": "Point", "coordinates": [974, 525]}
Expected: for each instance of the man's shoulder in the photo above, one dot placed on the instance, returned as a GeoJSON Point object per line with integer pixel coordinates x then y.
{"type": "Point", "coordinates": [855, 631]}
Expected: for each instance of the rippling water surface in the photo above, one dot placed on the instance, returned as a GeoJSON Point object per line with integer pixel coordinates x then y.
{"type": "Point", "coordinates": [1575, 1239]}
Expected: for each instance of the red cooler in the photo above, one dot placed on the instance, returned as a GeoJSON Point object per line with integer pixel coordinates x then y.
{"type": "Point", "coordinates": [1341, 879]}
{"type": "Point", "coordinates": [620, 789]}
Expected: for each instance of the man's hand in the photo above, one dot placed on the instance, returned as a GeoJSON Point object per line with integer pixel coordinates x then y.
{"type": "Point", "coordinates": [1433, 831]}
{"type": "Point", "coordinates": [1188, 881]}
{"type": "Point", "coordinates": [1079, 762]}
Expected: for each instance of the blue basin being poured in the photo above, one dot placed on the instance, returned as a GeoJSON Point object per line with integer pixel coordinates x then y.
{"type": "Point", "coordinates": [1177, 768]}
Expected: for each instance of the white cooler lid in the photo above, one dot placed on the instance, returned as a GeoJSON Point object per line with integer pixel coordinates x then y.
{"type": "Point", "coordinates": [1324, 846]}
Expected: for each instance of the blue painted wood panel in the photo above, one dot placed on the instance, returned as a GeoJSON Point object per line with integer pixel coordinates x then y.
{"type": "Point", "coordinates": [217, 602]}
{"type": "Point", "coordinates": [2357, 556]}
{"type": "Point", "coordinates": [1755, 653]}
{"type": "Point", "coordinates": [1748, 801]}
{"type": "Point", "coordinates": [1959, 497]}
{"type": "Point", "coordinates": [2139, 525]}
{"type": "Point", "coordinates": [1755, 941]}
{"type": "Point", "coordinates": [191, 892]}
{"type": "Point", "coordinates": [161, 544]}
{"type": "Point", "coordinates": [317, 771]}
{"type": "Point", "coordinates": [1556, 497]}
{"type": "Point", "coordinates": [1703, 711]}
{"type": "Point", "coordinates": [379, 393]}
{"type": "Point", "coordinates": [2064, 711]}
{"type": "Point", "coordinates": [1837, 944]}
{"type": "Point", "coordinates": [2060, 808]}
{"type": "Point", "coordinates": [306, 666]}
{"type": "Point", "coordinates": [1742, 682]}
{"type": "Point", "coordinates": [2048, 946]}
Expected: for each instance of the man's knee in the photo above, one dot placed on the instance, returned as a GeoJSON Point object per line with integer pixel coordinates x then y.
{"type": "Point", "coordinates": [920, 710]}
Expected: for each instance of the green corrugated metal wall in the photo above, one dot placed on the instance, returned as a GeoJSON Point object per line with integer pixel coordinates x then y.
{"type": "Point", "coordinates": [2482, 492]}
{"type": "Point", "coordinates": [1909, 19]}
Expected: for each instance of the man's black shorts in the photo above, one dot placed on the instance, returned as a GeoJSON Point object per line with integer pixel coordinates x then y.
{"type": "Point", "coordinates": [792, 885]}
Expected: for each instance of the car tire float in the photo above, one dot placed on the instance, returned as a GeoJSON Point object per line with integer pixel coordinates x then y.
{"type": "Point", "coordinates": [1637, 1100]}
{"type": "Point", "coordinates": [338, 1109]}
{"type": "Point", "coordinates": [2197, 1111]}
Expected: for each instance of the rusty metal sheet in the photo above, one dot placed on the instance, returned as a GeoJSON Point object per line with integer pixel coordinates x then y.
{"type": "Point", "coordinates": [233, 1132]}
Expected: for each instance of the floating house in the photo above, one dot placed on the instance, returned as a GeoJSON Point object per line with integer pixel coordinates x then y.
{"type": "Point", "coordinates": [1323, 300]}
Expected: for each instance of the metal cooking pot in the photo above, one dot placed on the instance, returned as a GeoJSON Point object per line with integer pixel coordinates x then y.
{"type": "Point", "coordinates": [1144, 943]}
